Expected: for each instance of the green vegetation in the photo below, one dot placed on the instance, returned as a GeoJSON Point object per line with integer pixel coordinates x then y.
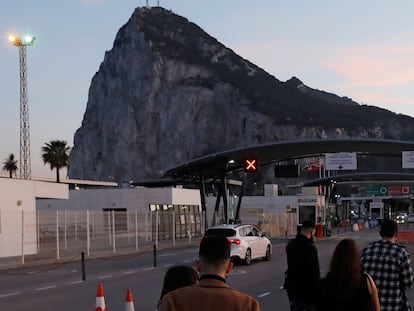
{"type": "Point", "coordinates": [56, 153]}
{"type": "Point", "coordinates": [10, 165]}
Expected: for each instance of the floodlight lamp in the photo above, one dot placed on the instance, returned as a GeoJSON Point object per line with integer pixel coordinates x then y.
{"type": "Point", "coordinates": [28, 39]}
{"type": "Point", "coordinates": [12, 38]}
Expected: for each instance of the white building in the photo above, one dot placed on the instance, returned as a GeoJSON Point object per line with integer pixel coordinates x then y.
{"type": "Point", "coordinates": [18, 226]}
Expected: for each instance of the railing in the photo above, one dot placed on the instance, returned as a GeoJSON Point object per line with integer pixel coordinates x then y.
{"type": "Point", "coordinates": [64, 235]}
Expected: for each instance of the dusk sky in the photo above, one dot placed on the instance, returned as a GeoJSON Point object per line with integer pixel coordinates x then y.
{"type": "Point", "coordinates": [360, 49]}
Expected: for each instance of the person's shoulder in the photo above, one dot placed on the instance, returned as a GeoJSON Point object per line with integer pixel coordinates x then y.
{"type": "Point", "coordinates": [247, 300]}
{"type": "Point", "coordinates": [371, 246]}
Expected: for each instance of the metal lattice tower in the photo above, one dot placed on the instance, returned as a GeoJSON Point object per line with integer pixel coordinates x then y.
{"type": "Point", "coordinates": [25, 162]}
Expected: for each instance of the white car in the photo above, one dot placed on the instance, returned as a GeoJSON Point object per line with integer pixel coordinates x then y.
{"type": "Point", "coordinates": [247, 242]}
{"type": "Point", "coordinates": [410, 218]}
{"type": "Point", "coordinates": [401, 218]}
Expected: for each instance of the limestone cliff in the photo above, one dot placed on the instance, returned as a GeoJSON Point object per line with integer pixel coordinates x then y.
{"type": "Point", "coordinates": [168, 92]}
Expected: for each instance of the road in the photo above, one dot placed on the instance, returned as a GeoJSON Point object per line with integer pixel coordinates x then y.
{"type": "Point", "coordinates": [61, 287]}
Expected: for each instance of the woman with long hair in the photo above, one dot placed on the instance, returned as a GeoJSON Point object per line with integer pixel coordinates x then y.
{"type": "Point", "coordinates": [345, 287]}
{"type": "Point", "coordinates": [177, 277]}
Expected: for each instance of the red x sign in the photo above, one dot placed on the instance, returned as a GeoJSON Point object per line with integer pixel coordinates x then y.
{"type": "Point", "coordinates": [250, 165]}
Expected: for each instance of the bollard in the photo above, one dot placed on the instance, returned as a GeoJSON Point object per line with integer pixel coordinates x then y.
{"type": "Point", "coordinates": [83, 266]}
{"type": "Point", "coordinates": [155, 256]}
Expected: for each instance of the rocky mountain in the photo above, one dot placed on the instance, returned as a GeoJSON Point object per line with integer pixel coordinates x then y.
{"type": "Point", "coordinates": [168, 92]}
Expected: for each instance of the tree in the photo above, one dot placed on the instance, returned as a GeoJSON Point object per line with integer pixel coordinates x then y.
{"type": "Point", "coordinates": [56, 153]}
{"type": "Point", "coordinates": [10, 165]}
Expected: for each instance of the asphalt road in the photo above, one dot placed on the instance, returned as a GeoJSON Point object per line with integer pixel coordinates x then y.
{"type": "Point", "coordinates": [61, 287]}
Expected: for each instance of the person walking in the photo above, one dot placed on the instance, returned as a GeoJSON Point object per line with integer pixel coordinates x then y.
{"type": "Point", "coordinates": [177, 277]}
{"type": "Point", "coordinates": [345, 287]}
{"type": "Point", "coordinates": [389, 265]}
{"type": "Point", "coordinates": [211, 292]}
{"type": "Point", "coordinates": [303, 274]}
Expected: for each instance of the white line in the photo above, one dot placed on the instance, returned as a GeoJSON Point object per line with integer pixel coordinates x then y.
{"type": "Point", "coordinates": [168, 265]}
{"type": "Point", "coordinates": [76, 282]}
{"type": "Point", "coordinates": [11, 294]}
{"type": "Point", "coordinates": [146, 269]}
{"type": "Point", "coordinates": [128, 272]}
{"type": "Point", "coordinates": [168, 254]}
{"type": "Point", "coordinates": [46, 287]}
{"type": "Point", "coordinates": [264, 295]}
{"type": "Point", "coordinates": [105, 277]}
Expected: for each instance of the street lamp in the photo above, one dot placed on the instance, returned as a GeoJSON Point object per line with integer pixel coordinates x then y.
{"type": "Point", "coordinates": [22, 43]}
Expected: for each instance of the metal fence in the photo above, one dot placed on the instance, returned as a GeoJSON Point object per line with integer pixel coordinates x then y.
{"type": "Point", "coordinates": [64, 235]}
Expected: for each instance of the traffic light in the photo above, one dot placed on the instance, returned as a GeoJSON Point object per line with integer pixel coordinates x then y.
{"type": "Point", "coordinates": [251, 165]}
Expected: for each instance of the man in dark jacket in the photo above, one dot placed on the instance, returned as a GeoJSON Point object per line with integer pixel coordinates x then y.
{"type": "Point", "coordinates": [303, 272]}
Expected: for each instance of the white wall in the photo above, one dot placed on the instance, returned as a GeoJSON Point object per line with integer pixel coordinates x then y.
{"type": "Point", "coordinates": [137, 198]}
{"type": "Point", "coordinates": [18, 213]}
{"type": "Point", "coordinates": [184, 196]}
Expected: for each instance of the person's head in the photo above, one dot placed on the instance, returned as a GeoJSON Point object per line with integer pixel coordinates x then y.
{"type": "Point", "coordinates": [346, 263]}
{"type": "Point", "coordinates": [214, 256]}
{"type": "Point", "coordinates": [308, 229]}
{"type": "Point", "coordinates": [389, 229]}
{"type": "Point", "coordinates": [177, 277]}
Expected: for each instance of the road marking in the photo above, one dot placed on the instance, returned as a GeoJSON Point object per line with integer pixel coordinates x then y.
{"type": "Point", "coordinates": [10, 294]}
{"type": "Point", "coordinates": [168, 254]}
{"type": "Point", "coordinates": [105, 277]}
{"type": "Point", "coordinates": [264, 294]}
{"type": "Point", "coordinates": [46, 287]}
{"type": "Point", "coordinates": [168, 265]}
{"type": "Point", "coordinates": [151, 268]}
{"type": "Point", "coordinates": [128, 272]}
{"type": "Point", "coordinates": [76, 282]}
{"type": "Point", "coordinates": [238, 271]}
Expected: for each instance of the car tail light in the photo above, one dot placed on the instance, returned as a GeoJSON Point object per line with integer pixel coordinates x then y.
{"type": "Point", "coordinates": [235, 241]}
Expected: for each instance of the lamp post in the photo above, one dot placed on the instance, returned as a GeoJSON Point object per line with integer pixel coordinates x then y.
{"type": "Point", "coordinates": [25, 165]}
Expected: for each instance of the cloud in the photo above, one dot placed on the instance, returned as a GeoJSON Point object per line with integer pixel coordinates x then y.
{"type": "Point", "coordinates": [374, 66]}
{"type": "Point", "coordinates": [379, 74]}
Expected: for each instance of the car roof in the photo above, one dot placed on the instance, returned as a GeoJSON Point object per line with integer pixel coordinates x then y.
{"type": "Point", "coordinates": [229, 226]}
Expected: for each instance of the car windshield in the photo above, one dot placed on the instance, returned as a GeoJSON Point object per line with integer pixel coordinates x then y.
{"type": "Point", "coordinates": [221, 231]}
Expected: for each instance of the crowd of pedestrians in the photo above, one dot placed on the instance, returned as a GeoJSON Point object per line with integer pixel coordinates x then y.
{"type": "Point", "coordinates": [374, 279]}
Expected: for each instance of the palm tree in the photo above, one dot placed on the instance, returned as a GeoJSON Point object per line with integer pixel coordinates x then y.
{"type": "Point", "coordinates": [10, 165]}
{"type": "Point", "coordinates": [56, 153]}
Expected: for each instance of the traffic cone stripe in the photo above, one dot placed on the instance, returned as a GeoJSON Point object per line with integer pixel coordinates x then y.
{"type": "Point", "coordinates": [129, 304]}
{"type": "Point", "coordinates": [100, 300]}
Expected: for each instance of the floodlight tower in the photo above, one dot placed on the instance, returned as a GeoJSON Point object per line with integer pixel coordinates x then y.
{"type": "Point", "coordinates": [22, 43]}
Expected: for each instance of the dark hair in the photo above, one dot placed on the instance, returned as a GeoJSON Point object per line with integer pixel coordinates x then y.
{"type": "Point", "coordinates": [177, 277]}
{"type": "Point", "coordinates": [308, 224]}
{"type": "Point", "coordinates": [214, 249]}
{"type": "Point", "coordinates": [344, 288]}
{"type": "Point", "coordinates": [389, 228]}
{"type": "Point", "coordinates": [345, 264]}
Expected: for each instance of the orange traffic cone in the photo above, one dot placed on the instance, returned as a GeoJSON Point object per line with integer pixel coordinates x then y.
{"type": "Point", "coordinates": [129, 304]}
{"type": "Point", "coordinates": [100, 300]}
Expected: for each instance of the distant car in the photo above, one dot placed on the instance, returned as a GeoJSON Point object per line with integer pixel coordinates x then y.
{"type": "Point", "coordinates": [247, 242]}
{"type": "Point", "coordinates": [401, 218]}
{"type": "Point", "coordinates": [410, 218]}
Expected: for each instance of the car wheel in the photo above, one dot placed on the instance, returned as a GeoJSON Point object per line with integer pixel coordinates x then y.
{"type": "Point", "coordinates": [268, 255]}
{"type": "Point", "coordinates": [248, 257]}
